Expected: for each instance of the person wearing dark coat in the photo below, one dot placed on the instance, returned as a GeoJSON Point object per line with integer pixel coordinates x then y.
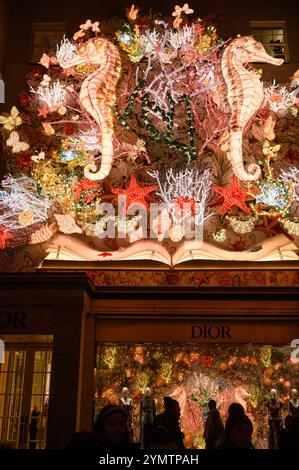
{"type": "Point", "coordinates": [170, 420]}
{"type": "Point", "coordinates": [33, 427]}
{"type": "Point", "coordinates": [214, 429]}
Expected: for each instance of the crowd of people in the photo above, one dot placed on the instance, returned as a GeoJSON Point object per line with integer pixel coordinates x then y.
{"type": "Point", "coordinates": [111, 430]}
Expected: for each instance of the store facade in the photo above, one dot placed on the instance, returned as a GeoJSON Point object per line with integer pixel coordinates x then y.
{"type": "Point", "coordinates": [92, 336]}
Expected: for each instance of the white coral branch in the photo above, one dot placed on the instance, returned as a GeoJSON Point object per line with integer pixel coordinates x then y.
{"type": "Point", "coordinates": [18, 196]}
{"type": "Point", "coordinates": [53, 95]}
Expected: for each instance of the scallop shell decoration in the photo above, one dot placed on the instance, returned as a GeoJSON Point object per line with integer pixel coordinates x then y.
{"type": "Point", "coordinates": [25, 218]}
{"type": "Point", "coordinates": [176, 233]}
{"type": "Point", "coordinates": [244, 225]}
{"type": "Point", "coordinates": [291, 226]}
{"type": "Point", "coordinates": [43, 234]}
{"type": "Point", "coordinates": [67, 224]}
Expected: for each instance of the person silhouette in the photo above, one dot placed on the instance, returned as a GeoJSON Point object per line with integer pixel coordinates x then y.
{"type": "Point", "coordinates": [214, 429]}
{"type": "Point", "coordinates": [33, 427]}
{"type": "Point", "coordinates": [170, 419]}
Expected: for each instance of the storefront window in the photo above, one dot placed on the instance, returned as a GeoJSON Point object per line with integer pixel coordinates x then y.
{"type": "Point", "coordinates": [11, 394]}
{"type": "Point", "coordinates": [193, 374]}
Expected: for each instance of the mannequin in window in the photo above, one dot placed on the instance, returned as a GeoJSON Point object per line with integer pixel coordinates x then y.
{"type": "Point", "coordinates": [294, 404]}
{"type": "Point", "coordinates": [274, 406]}
{"type": "Point", "coordinates": [147, 413]}
{"type": "Point", "coordinates": [126, 403]}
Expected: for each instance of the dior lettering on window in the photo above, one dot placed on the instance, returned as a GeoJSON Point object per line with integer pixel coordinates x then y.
{"type": "Point", "coordinates": [14, 320]}
{"type": "Point", "coordinates": [211, 331]}
{"type": "Point", "coordinates": [2, 352]}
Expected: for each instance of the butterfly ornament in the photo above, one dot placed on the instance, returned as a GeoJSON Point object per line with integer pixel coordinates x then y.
{"type": "Point", "coordinates": [17, 145]}
{"type": "Point", "coordinates": [12, 121]}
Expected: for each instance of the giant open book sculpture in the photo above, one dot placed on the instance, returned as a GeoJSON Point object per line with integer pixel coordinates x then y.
{"type": "Point", "coordinates": [152, 138]}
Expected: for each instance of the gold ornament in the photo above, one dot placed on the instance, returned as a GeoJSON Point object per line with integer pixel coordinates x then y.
{"type": "Point", "coordinates": [26, 218]}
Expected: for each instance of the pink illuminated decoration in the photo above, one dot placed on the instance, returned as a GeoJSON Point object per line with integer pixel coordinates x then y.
{"type": "Point", "coordinates": [164, 113]}
{"type": "Point", "coordinates": [245, 96]}
{"type": "Point", "coordinates": [97, 95]}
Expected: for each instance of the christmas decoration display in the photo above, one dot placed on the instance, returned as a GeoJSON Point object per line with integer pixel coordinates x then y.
{"type": "Point", "coordinates": [193, 374]}
{"type": "Point", "coordinates": [156, 112]}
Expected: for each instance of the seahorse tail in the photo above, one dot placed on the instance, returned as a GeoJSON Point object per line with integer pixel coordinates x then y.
{"type": "Point", "coordinates": [235, 156]}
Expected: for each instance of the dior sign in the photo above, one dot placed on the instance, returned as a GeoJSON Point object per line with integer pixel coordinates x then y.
{"type": "Point", "coordinates": [211, 331]}
{"type": "Point", "coordinates": [12, 320]}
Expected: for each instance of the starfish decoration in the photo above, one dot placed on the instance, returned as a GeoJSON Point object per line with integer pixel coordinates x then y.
{"type": "Point", "coordinates": [272, 227]}
{"type": "Point", "coordinates": [136, 194]}
{"type": "Point", "coordinates": [233, 195]}
{"type": "Point", "coordinates": [202, 278]}
{"type": "Point", "coordinates": [104, 254]}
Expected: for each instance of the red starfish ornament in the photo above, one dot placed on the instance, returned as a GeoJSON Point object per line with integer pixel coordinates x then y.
{"type": "Point", "coordinates": [91, 189]}
{"type": "Point", "coordinates": [105, 253]}
{"type": "Point", "coordinates": [233, 195]}
{"type": "Point", "coordinates": [136, 194]}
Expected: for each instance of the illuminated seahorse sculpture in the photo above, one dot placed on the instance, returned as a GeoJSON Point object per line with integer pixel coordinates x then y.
{"type": "Point", "coordinates": [97, 95]}
{"type": "Point", "coordinates": [245, 96]}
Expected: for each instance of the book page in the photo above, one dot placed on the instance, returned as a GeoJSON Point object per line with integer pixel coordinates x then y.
{"type": "Point", "coordinates": [272, 249]}
{"type": "Point", "coordinates": [72, 248]}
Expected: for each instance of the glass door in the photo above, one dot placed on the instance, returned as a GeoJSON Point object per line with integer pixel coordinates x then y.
{"type": "Point", "coordinates": [12, 374]}
{"type": "Point", "coordinates": [24, 396]}
{"type": "Point", "coordinates": [40, 399]}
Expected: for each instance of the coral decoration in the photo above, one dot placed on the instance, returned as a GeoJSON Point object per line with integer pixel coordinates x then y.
{"type": "Point", "coordinates": [4, 237]}
{"type": "Point", "coordinates": [234, 195]}
{"type": "Point", "coordinates": [185, 195]}
{"type": "Point", "coordinates": [136, 194]}
{"type": "Point", "coordinates": [280, 99]}
{"type": "Point", "coordinates": [164, 97]}
{"type": "Point", "coordinates": [87, 190]}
